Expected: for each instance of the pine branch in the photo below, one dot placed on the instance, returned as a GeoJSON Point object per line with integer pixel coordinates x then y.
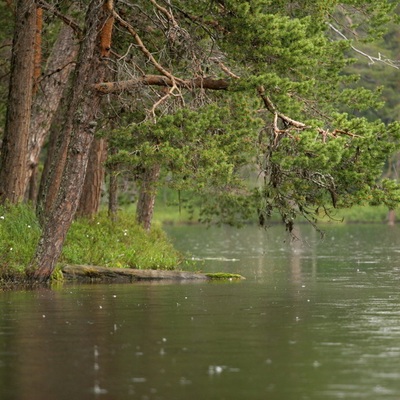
{"type": "Point", "coordinates": [293, 124]}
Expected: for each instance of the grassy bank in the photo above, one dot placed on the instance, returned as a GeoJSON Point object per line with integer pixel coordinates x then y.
{"type": "Point", "coordinates": [173, 213]}
{"type": "Point", "coordinates": [99, 242]}
{"type": "Point", "coordinates": [363, 214]}
{"type": "Point", "coordinates": [122, 244]}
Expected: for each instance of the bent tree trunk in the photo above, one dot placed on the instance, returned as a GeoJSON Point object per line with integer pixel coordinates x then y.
{"type": "Point", "coordinates": [53, 165]}
{"type": "Point", "coordinates": [147, 196]}
{"type": "Point", "coordinates": [49, 93]}
{"type": "Point", "coordinates": [13, 168]}
{"type": "Point", "coordinates": [80, 123]}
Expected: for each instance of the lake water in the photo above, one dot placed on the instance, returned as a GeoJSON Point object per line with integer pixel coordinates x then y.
{"type": "Point", "coordinates": [315, 319]}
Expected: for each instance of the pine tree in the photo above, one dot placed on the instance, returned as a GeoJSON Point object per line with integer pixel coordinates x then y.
{"type": "Point", "coordinates": [314, 150]}
{"type": "Point", "coordinates": [209, 90]}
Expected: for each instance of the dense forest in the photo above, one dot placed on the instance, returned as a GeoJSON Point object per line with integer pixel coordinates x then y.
{"type": "Point", "coordinates": [257, 108]}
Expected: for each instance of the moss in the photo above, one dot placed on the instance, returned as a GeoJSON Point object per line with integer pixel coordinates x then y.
{"type": "Point", "coordinates": [223, 276]}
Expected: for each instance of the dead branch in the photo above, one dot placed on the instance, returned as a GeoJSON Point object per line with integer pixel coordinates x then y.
{"type": "Point", "coordinates": [371, 59]}
{"type": "Point", "coordinates": [224, 68]}
{"type": "Point", "coordinates": [164, 11]}
{"type": "Point", "coordinates": [293, 124]}
{"type": "Point", "coordinates": [159, 80]}
{"type": "Point", "coordinates": [272, 109]}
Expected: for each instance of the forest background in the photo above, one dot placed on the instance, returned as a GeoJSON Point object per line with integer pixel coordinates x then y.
{"type": "Point", "coordinates": [244, 110]}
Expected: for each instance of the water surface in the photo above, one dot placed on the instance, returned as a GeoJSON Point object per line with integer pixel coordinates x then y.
{"type": "Point", "coordinates": [313, 320]}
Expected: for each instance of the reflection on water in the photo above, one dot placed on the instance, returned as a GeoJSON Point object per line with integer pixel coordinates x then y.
{"type": "Point", "coordinates": [313, 320]}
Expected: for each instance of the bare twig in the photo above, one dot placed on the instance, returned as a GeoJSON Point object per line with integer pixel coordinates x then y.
{"type": "Point", "coordinates": [224, 68]}
{"type": "Point", "coordinates": [166, 13]}
{"type": "Point", "coordinates": [145, 50]}
{"type": "Point", "coordinates": [371, 59]}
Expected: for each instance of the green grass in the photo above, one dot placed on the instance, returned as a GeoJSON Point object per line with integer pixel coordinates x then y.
{"type": "Point", "coordinates": [173, 207]}
{"type": "Point", "coordinates": [169, 212]}
{"type": "Point", "coordinates": [361, 214]}
{"type": "Point", "coordinates": [123, 244]}
{"type": "Point", "coordinates": [99, 242]}
{"type": "Point", "coordinates": [19, 234]}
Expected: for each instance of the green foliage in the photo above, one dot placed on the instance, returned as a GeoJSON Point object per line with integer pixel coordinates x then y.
{"type": "Point", "coordinates": [200, 149]}
{"type": "Point", "coordinates": [312, 143]}
{"type": "Point", "coordinates": [242, 156]}
{"type": "Point", "coordinates": [123, 244]}
{"type": "Point", "coordinates": [369, 18]}
{"type": "Point", "coordinates": [313, 172]}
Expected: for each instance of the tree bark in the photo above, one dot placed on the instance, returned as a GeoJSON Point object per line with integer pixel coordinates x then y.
{"type": "Point", "coordinates": [391, 217]}
{"type": "Point", "coordinates": [91, 193]}
{"type": "Point", "coordinates": [80, 126]}
{"type": "Point", "coordinates": [59, 66]}
{"type": "Point", "coordinates": [54, 163]}
{"type": "Point", "coordinates": [113, 189]}
{"type": "Point", "coordinates": [13, 169]}
{"type": "Point", "coordinates": [37, 63]}
{"type": "Point", "coordinates": [147, 196]}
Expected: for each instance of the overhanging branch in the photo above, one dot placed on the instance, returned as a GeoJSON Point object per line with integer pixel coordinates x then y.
{"type": "Point", "coordinates": [291, 124]}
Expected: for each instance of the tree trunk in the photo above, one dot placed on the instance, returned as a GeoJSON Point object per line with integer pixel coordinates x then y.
{"type": "Point", "coordinates": [32, 190]}
{"type": "Point", "coordinates": [13, 169]}
{"type": "Point", "coordinates": [37, 62]}
{"type": "Point", "coordinates": [113, 189]}
{"type": "Point", "coordinates": [147, 196]}
{"type": "Point", "coordinates": [52, 86]}
{"type": "Point", "coordinates": [80, 126]}
{"type": "Point", "coordinates": [391, 217]}
{"type": "Point", "coordinates": [53, 165]}
{"type": "Point", "coordinates": [54, 135]}
{"type": "Point", "coordinates": [91, 193]}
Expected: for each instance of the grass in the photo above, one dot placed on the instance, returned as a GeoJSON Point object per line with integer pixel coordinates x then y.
{"type": "Point", "coordinates": [361, 214]}
{"type": "Point", "coordinates": [98, 241]}
{"type": "Point", "coordinates": [168, 211]}
{"type": "Point", "coordinates": [123, 244]}
{"type": "Point", "coordinates": [19, 234]}
{"type": "Point", "coordinates": [173, 207]}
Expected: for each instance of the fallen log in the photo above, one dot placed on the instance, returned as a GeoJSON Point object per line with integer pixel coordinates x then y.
{"type": "Point", "coordinates": [91, 273]}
